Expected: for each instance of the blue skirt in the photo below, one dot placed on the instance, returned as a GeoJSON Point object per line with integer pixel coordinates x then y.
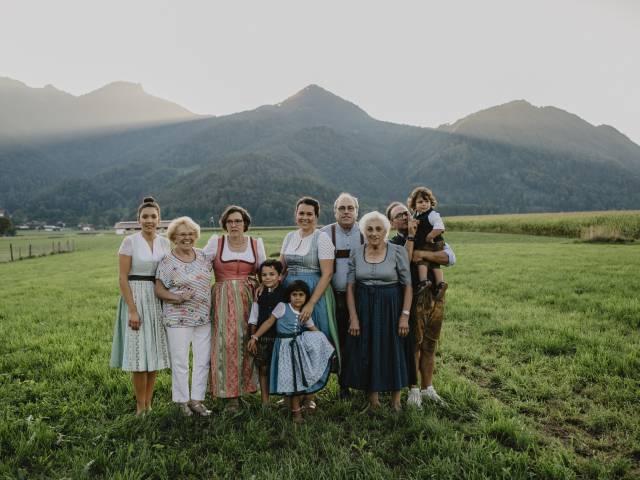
{"type": "Point", "coordinates": [379, 360]}
{"type": "Point", "coordinates": [300, 365]}
{"type": "Point", "coordinates": [324, 313]}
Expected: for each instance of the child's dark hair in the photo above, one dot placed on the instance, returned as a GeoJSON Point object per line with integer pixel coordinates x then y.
{"type": "Point", "coordinates": [298, 286]}
{"type": "Point", "coordinates": [423, 193]}
{"type": "Point", "coordinates": [270, 262]}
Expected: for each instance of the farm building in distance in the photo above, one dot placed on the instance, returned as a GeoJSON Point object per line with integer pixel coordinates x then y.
{"type": "Point", "coordinates": [123, 228]}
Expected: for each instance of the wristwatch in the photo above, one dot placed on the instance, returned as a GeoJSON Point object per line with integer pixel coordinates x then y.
{"type": "Point", "coordinates": [411, 239]}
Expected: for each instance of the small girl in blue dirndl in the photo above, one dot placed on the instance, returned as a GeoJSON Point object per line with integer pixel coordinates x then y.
{"type": "Point", "coordinates": [301, 359]}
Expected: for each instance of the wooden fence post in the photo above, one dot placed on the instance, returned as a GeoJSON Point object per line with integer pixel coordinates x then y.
{"type": "Point", "coordinates": [11, 251]}
{"type": "Point", "coordinates": [58, 247]}
{"type": "Point", "coordinates": [29, 249]}
{"type": "Point", "coordinates": [53, 246]}
{"type": "Point", "coordinates": [20, 253]}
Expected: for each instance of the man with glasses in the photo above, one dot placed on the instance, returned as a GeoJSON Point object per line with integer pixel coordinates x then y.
{"type": "Point", "coordinates": [427, 313]}
{"type": "Point", "coordinates": [345, 235]}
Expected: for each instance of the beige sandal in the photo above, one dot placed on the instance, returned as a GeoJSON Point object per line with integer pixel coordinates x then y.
{"type": "Point", "coordinates": [309, 405]}
{"type": "Point", "coordinates": [199, 408]}
{"type": "Point", "coordinates": [184, 408]}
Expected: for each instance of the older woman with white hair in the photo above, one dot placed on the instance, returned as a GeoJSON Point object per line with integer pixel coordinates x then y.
{"type": "Point", "coordinates": [379, 355]}
{"type": "Point", "coordinates": [183, 282]}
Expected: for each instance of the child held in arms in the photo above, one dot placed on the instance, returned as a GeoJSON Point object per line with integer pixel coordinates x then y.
{"type": "Point", "coordinates": [428, 237]}
{"type": "Point", "coordinates": [272, 294]}
{"type": "Point", "coordinates": [301, 360]}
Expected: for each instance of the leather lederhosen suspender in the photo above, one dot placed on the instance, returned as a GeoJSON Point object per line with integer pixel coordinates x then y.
{"type": "Point", "coordinates": [344, 253]}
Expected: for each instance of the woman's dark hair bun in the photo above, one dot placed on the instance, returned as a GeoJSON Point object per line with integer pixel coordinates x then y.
{"type": "Point", "coordinates": [148, 202]}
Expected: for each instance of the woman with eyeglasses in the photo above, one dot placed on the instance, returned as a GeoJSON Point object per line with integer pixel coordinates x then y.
{"type": "Point", "coordinates": [236, 258]}
{"type": "Point", "coordinates": [183, 283]}
{"type": "Point", "coordinates": [427, 313]}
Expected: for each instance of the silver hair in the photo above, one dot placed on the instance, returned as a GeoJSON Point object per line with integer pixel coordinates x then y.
{"type": "Point", "coordinates": [375, 215]}
{"type": "Point", "coordinates": [173, 226]}
{"type": "Point", "coordinates": [345, 195]}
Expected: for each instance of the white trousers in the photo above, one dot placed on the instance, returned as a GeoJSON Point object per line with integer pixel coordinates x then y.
{"type": "Point", "coordinates": [180, 338]}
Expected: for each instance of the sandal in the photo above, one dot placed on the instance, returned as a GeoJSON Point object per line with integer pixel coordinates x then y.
{"type": "Point", "coordinates": [199, 408]}
{"type": "Point", "coordinates": [184, 408]}
{"type": "Point", "coordinates": [309, 405]}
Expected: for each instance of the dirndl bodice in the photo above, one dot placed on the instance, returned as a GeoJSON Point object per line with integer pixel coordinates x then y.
{"type": "Point", "coordinates": [234, 269]}
{"type": "Point", "coordinates": [308, 263]}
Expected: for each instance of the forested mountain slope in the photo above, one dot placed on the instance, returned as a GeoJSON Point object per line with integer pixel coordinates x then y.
{"type": "Point", "coordinates": [513, 158]}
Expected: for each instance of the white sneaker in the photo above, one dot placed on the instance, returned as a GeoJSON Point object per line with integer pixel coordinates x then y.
{"type": "Point", "coordinates": [414, 399]}
{"type": "Point", "coordinates": [431, 394]}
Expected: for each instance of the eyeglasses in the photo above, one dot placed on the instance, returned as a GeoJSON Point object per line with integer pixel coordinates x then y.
{"type": "Point", "coordinates": [235, 222]}
{"type": "Point", "coordinates": [343, 208]}
{"type": "Point", "coordinates": [401, 215]}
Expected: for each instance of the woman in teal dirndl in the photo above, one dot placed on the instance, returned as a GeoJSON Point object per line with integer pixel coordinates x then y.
{"type": "Point", "coordinates": [308, 255]}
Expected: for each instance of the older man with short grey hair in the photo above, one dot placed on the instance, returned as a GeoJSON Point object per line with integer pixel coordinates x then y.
{"type": "Point", "coordinates": [427, 312]}
{"type": "Point", "coordinates": [345, 236]}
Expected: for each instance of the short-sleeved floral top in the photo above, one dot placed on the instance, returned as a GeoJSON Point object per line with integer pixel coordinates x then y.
{"type": "Point", "coordinates": [178, 276]}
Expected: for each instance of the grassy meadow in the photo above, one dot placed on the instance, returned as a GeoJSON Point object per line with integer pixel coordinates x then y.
{"type": "Point", "coordinates": [539, 363]}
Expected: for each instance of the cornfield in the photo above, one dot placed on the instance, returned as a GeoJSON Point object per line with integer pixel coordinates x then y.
{"type": "Point", "coordinates": [589, 226]}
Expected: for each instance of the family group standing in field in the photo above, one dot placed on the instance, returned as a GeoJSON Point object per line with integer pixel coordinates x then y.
{"type": "Point", "coordinates": [343, 299]}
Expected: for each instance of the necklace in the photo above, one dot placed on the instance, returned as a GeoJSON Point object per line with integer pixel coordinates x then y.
{"type": "Point", "coordinates": [372, 255]}
{"type": "Point", "coordinates": [238, 246]}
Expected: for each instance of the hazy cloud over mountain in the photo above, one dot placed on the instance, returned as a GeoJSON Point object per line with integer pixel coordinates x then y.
{"type": "Point", "coordinates": [37, 111]}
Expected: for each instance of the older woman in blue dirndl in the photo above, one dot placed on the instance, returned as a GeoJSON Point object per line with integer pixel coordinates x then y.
{"type": "Point", "coordinates": [379, 353]}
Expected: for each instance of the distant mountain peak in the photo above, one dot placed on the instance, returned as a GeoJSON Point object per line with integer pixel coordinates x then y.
{"type": "Point", "coordinates": [6, 82]}
{"type": "Point", "coordinates": [514, 114]}
{"type": "Point", "coordinates": [43, 111]}
{"type": "Point", "coordinates": [309, 94]}
{"type": "Point", "coordinates": [612, 131]}
{"type": "Point", "coordinates": [119, 88]}
{"type": "Point", "coordinates": [550, 128]}
{"type": "Point", "coordinates": [52, 89]}
{"type": "Point", "coordinates": [520, 101]}
{"type": "Point", "coordinates": [320, 105]}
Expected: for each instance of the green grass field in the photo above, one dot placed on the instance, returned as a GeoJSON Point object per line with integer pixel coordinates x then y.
{"type": "Point", "coordinates": [539, 363]}
{"type": "Point", "coordinates": [592, 226]}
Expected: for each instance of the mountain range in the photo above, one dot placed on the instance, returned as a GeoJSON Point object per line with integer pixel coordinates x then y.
{"type": "Point", "coordinates": [47, 111]}
{"type": "Point", "coordinates": [91, 158]}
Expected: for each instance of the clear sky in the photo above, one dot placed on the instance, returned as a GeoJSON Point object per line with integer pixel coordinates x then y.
{"type": "Point", "coordinates": [420, 62]}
